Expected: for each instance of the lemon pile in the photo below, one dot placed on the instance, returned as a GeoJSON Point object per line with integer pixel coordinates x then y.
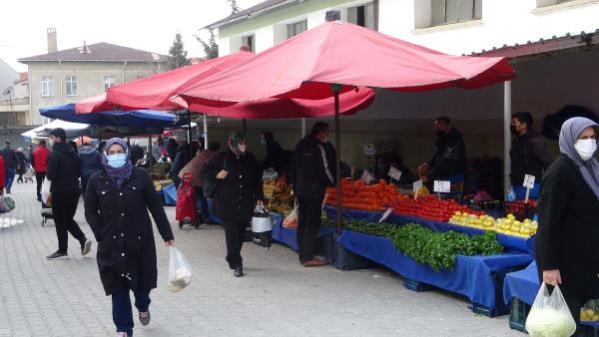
{"type": "Point", "coordinates": [508, 225]}
{"type": "Point", "coordinates": [589, 315]}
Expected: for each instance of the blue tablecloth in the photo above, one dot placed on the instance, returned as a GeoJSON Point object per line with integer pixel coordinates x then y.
{"type": "Point", "coordinates": [509, 242]}
{"type": "Point", "coordinates": [170, 195]}
{"type": "Point", "coordinates": [472, 277]}
{"type": "Point", "coordinates": [522, 284]}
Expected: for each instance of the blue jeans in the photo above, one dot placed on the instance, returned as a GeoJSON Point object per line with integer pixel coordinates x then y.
{"type": "Point", "coordinates": [9, 177]}
{"type": "Point", "coordinates": [202, 204]}
{"type": "Point", "coordinates": [122, 314]}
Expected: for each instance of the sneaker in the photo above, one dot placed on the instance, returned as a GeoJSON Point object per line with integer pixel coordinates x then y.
{"type": "Point", "coordinates": [238, 272]}
{"type": "Point", "coordinates": [144, 318]}
{"type": "Point", "coordinates": [86, 247]}
{"type": "Point", "coordinates": [57, 256]}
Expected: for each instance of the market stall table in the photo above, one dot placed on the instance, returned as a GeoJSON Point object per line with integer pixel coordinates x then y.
{"type": "Point", "coordinates": [477, 277]}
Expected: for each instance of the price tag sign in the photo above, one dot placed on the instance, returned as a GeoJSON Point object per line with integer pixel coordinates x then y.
{"type": "Point", "coordinates": [394, 173]}
{"type": "Point", "coordinates": [442, 186]}
{"type": "Point", "coordinates": [386, 215]}
{"type": "Point", "coordinates": [529, 181]}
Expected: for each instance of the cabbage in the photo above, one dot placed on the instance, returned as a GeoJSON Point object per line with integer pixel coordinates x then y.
{"type": "Point", "coordinates": [547, 322]}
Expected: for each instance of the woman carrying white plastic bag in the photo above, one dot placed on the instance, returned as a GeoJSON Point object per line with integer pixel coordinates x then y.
{"type": "Point", "coordinates": [568, 236]}
{"type": "Point", "coordinates": [550, 315]}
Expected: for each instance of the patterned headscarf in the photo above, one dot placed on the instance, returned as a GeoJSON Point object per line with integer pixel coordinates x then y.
{"type": "Point", "coordinates": [121, 174]}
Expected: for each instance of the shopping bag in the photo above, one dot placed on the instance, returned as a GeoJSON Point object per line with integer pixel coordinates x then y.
{"type": "Point", "coordinates": [549, 315]}
{"type": "Point", "coordinates": [3, 206]}
{"type": "Point", "coordinates": [186, 201]}
{"type": "Point", "coordinates": [179, 270]}
{"type": "Point", "coordinates": [262, 227]}
{"type": "Point", "coordinates": [291, 220]}
{"type": "Point", "coordinates": [46, 194]}
{"type": "Point", "coordinates": [9, 203]}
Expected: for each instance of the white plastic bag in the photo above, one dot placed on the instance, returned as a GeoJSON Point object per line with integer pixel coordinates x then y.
{"type": "Point", "coordinates": [291, 220]}
{"type": "Point", "coordinates": [179, 270]}
{"type": "Point", "coordinates": [262, 227]}
{"type": "Point", "coordinates": [46, 191]}
{"type": "Point", "coordinates": [549, 315]}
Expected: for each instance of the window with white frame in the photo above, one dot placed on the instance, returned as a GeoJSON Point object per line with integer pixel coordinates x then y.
{"type": "Point", "coordinates": [109, 81]}
{"type": "Point", "coordinates": [249, 42]}
{"type": "Point", "coordinates": [363, 15]}
{"type": "Point", "coordinates": [71, 83]}
{"type": "Point", "coordinates": [47, 86]}
{"type": "Point", "coordinates": [453, 11]}
{"type": "Point", "coordinates": [296, 28]}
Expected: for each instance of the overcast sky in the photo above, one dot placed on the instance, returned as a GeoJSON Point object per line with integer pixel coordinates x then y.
{"type": "Point", "coordinates": [143, 24]}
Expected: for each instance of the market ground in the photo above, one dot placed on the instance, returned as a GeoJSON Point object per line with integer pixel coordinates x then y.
{"type": "Point", "coordinates": [278, 297]}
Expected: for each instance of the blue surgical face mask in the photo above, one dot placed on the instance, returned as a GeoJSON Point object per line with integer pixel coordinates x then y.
{"type": "Point", "coordinates": [117, 160]}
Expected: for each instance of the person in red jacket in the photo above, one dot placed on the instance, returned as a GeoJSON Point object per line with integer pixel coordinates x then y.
{"type": "Point", "coordinates": [39, 161]}
{"type": "Point", "coordinates": [1, 175]}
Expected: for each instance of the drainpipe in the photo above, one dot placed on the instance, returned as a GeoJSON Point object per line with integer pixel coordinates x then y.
{"type": "Point", "coordinates": [61, 82]}
{"type": "Point", "coordinates": [124, 66]}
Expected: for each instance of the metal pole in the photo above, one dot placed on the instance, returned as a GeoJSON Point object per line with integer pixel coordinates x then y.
{"type": "Point", "coordinates": [150, 154]}
{"type": "Point", "coordinates": [245, 126]}
{"type": "Point", "coordinates": [205, 132]}
{"type": "Point", "coordinates": [507, 137]}
{"type": "Point", "coordinates": [336, 89]}
{"type": "Point", "coordinates": [304, 127]}
{"type": "Point", "coordinates": [189, 133]}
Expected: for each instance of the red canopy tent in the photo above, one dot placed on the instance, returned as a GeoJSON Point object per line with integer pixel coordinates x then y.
{"type": "Point", "coordinates": [338, 57]}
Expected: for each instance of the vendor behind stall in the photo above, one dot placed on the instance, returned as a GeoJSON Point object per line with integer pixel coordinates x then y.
{"type": "Point", "coordinates": [528, 155]}
{"type": "Point", "coordinates": [449, 160]}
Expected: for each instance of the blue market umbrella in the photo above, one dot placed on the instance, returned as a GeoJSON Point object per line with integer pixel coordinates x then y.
{"type": "Point", "coordinates": [118, 118]}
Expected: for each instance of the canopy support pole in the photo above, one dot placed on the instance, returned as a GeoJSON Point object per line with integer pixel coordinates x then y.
{"type": "Point", "coordinates": [304, 127]}
{"type": "Point", "coordinates": [507, 137]}
{"type": "Point", "coordinates": [205, 132]}
{"type": "Point", "coordinates": [336, 89]}
{"type": "Point", "coordinates": [150, 154]}
{"type": "Point", "coordinates": [189, 133]}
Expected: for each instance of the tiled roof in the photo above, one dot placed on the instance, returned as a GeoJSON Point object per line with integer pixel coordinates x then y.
{"type": "Point", "coordinates": [99, 52]}
{"type": "Point", "coordinates": [259, 7]}
{"type": "Point", "coordinates": [542, 46]}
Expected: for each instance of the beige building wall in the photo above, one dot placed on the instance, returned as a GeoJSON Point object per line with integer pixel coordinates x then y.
{"type": "Point", "coordinates": [90, 81]}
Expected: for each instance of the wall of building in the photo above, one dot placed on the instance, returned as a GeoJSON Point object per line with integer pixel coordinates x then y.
{"type": "Point", "coordinates": [90, 81]}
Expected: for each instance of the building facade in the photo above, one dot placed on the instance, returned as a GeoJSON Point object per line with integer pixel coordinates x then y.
{"type": "Point", "coordinates": [477, 24]}
{"type": "Point", "coordinates": [67, 76]}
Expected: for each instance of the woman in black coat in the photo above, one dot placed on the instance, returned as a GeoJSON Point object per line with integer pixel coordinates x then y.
{"type": "Point", "coordinates": [568, 234]}
{"type": "Point", "coordinates": [239, 189]}
{"type": "Point", "coordinates": [117, 200]}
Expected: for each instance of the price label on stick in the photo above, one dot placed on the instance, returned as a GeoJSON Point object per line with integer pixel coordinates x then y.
{"type": "Point", "coordinates": [394, 173]}
{"type": "Point", "coordinates": [529, 181]}
{"type": "Point", "coordinates": [442, 186]}
{"type": "Point", "coordinates": [417, 186]}
{"type": "Point", "coordinates": [386, 215]}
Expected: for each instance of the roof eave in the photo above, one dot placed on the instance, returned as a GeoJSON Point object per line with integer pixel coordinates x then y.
{"type": "Point", "coordinates": [221, 23]}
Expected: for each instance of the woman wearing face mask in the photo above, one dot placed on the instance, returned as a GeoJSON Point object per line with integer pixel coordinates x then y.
{"type": "Point", "coordinates": [238, 191]}
{"type": "Point", "coordinates": [568, 235]}
{"type": "Point", "coordinates": [117, 200]}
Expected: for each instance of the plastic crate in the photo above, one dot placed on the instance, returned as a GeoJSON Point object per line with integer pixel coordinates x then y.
{"type": "Point", "coordinates": [339, 257]}
{"type": "Point", "coordinates": [417, 286]}
{"type": "Point", "coordinates": [518, 314]}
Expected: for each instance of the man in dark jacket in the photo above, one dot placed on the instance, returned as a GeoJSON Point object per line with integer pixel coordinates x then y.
{"type": "Point", "coordinates": [63, 172]}
{"type": "Point", "coordinates": [449, 160]}
{"type": "Point", "coordinates": [238, 191]}
{"type": "Point", "coordinates": [276, 157]}
{"type": "Point", "coordinates": [528, 155]}
{"type": "Point", "coordinates": [39, 161]}
{"type": "Point", "coordinates": [314, 171]}
{"type": "Point", "coordinates": [91, 162]}
{"type": "Point", "coordinates": [10, 165]}
{"type": "Point", "coordinates": [182, 157]}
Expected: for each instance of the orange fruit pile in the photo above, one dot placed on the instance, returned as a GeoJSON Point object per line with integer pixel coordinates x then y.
{"type": "Point", "coordinates": [359, 196]}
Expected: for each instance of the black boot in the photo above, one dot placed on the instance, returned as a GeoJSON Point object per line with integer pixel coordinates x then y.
{"type": "Point", "coordinates": [238, 272]}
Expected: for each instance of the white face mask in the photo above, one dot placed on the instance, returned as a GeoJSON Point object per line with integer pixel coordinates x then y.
{"type": "Point", "coordinates": [242, 148]}
{"type": "Point", "coordinates": [586, 148]}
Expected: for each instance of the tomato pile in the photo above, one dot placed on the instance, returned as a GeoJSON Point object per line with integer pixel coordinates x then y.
{"type": "Point", "coordinates": [431, 208]}
{"type": "Point", "coordinates": [357, 195]}
{"type": "Point", "coordinates": [522, 210]}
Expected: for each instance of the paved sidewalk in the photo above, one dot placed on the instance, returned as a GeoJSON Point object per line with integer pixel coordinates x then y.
{"type": "Point", "coordinates": [277, 298]}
